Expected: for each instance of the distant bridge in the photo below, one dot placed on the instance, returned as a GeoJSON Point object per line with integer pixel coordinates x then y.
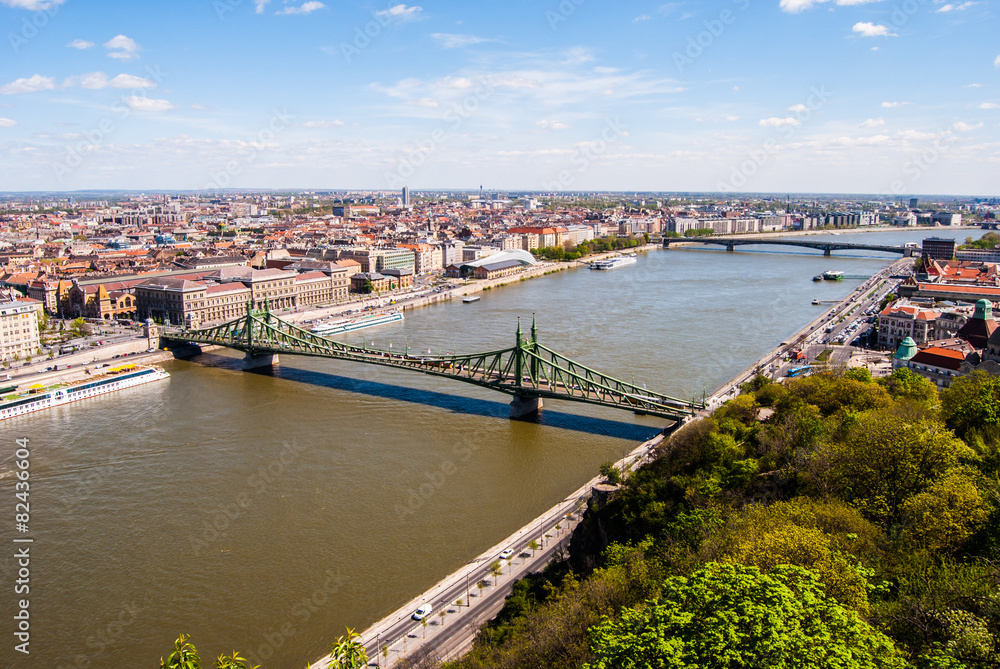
{"type": "Point", "coordinates": [528, 370]}
{"type": "Point", "coordinates": [827, 247]}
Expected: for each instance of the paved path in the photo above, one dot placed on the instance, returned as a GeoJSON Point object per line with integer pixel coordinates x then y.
{"type": "Point", "coordinates": [450, 635]}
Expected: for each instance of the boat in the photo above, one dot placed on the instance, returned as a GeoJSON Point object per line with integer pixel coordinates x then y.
{"type": "Point", "coordinates": [614, 263]}
{"type": "Point", "coordinates": [818, 277]}
{"type": "Point", "coordinates": [469, 299]}
{"type": "Point", "coordinates": [817, 302]}
{"type": "Point", "coordinates": [39, 398]}
{"type": "Point", "coordinates": [359, 323]}
{"type": "Point", "coordinates": [832, 275]}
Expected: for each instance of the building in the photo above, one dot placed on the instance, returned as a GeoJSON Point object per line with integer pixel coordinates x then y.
{"type": "Point", "coordinates": [398, 278]}
{"type": "Point", "coordinates": [946, 218]}
{"type": "Point", "coordinates": [377, 259]}
{"type": "Point", "coordinates": [406, 197]}
{"type": "Point", "coordinates": [970, 255]}
{"type": "Point", "coordinates": [495, 270]}
{"type": "Point", "coordinates": [938, 364]}
{"type": "Point", "coordinates": [902, 320]}
{"type": "Point", "coordinates": [379, 283]}
{"type": "Point", "coordinates": [19, 337]}
{"type": "Point", "coordinates": [937, 248]}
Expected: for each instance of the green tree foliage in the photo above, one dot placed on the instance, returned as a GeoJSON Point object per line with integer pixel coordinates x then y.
{"type": "Point", "coordinates": [904, 383]}
{"type": "Point", "coordinates": [944, 516]}
{"type": "Point", "coordinates": [886, 456]}
{"type": "Point", "coordinates": [589, 247]}
{"type": "Point", "coordinates": [185, 655]}
{"type": "Point", "coordinates": [347, 652]}
{"type": "Point", "coordinates": [971, 407]}
{"type": "Point", "coordinates": [988, 241]}
{"type": "Point", "coordinates": [699, 232]}
{"type": "Point", "coordinates": [729, 616]}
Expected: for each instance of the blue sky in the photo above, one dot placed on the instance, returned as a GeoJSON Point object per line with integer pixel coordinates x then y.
{"type": "Point", "coordinates": [892, 96]}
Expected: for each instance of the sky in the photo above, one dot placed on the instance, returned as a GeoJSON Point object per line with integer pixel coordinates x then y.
{"type": "Point", "coordinates": [897, 97]}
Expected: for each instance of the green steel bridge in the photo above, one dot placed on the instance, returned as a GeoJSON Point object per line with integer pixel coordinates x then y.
{"type": "Point", "coordinates": [529, 371]}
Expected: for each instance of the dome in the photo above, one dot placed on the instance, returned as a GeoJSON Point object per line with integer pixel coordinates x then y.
{"type": "Point", "coordinates": [984, 310]}
{"type": "Point", "coordinates": [907, 349]}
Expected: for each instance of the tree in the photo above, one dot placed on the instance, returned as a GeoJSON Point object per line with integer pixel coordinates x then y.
{"type": "Point", "coordinates": [496, 569]}
{"type": "Point", "coordinates": [185, 655]}
{"type": "Point", "coordinates": [347, 652]}
{"type": "Point", "coordinates": [904, 383]}
{"type": "Point", "coordinates": [611, 473]}
{"type": "Point", "coordinates": [533, 545]}
{"type": "Point", "coordinates": [234, 661]}
{"type": "Point", "coordinates": [733, 616]}
{"type": "Point", "coordinates": [887, 456]}
{"type": "Point", "coordinates": [971, 407]}
{"type": "Point", "coordinates": [367, 287]}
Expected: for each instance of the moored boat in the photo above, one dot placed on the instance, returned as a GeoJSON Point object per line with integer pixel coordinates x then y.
{"type": "Point", "coordinates": [38, 397]}
{"type": "Point", "coordinates": [358, 323]}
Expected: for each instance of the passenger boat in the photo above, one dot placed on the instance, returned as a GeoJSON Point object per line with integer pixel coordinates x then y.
{"type": "Point", "coordinates": [468, 299]}
{"type": "Point", "coordinates": [614, 263]}
{"type": "Point", "coordinates": [359, 323]}
{"type": "Point", "coordinates": [818, 277]}
{"type": "Point", "coordinates": [832, 275]}
{"type": "Point", "coordinates": [38, 398]}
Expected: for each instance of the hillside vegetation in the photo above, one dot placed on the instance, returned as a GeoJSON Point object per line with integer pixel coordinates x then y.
{"type": "Point", "coordinates": [833, 521]}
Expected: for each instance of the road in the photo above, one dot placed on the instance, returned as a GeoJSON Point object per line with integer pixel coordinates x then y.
{"type": "Point", "coordinates": [446, 636]}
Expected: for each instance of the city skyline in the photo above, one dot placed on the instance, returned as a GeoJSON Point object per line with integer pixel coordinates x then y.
{"type": "Point", "coordinates": [892, 98]}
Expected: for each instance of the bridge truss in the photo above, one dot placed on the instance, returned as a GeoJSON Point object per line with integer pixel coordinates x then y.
{"type": "Point", "coordinates": [528, 370]}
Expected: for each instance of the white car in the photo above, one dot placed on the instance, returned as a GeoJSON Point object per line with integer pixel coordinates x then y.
{"type": "Point", "coordinates": [506, 553]}
{"type": "Point", "coordinates": [422, 612]}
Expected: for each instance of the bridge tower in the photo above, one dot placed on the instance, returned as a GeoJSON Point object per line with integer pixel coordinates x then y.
{"type": "Point", "coordinates": [252, 359]}
{"type": "Point", "coordinates": [525, 404]}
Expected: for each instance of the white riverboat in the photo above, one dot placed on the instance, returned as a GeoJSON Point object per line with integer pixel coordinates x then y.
{"type": "Point", "coordinates": [614, 263]}
{"type": "Point", "coordinates": [469, 299]}
{"type": "Point", "coordinates": [39, 398]}
{"type": "Point", "coordinates": [358, 323]}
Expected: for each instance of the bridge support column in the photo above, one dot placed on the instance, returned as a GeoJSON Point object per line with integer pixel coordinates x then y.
{"type": "Point", "coordinates": [827, 252]}
{"type": "Point", "coordinates": [257, 361]}
{"type": "Point", "coordinates": [730, 248]}
{"type": "Point", "coordinates": [521, 406]}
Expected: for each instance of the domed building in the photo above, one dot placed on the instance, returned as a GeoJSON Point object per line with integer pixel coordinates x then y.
{"type": "Point", "coordinates": [978, 329]}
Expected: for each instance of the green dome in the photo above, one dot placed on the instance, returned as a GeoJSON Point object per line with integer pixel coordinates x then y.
{"type": "Point", "coordinates": [984, 310]}
{"type": "Point", "coordinates": [907, 349]}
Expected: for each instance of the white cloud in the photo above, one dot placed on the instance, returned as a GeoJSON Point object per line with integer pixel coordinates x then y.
{"type": "Point", "coordinates": [99, 80]}
{"type": "Point", "coordinates": [450, 41]}
{"type": "Point", "coordinates": [796, 6]}
{"type": "Point", "coordinates": [996, 62]}
{"type": "Point", "coordinates": [122, 48]}
{"type": "Point", "coordinates": [578, 55]}
{"type": "Point", "coordinates": [641, 17]}
{"type": "Point", "coordinates": [7, 122]}
{"type": "Point", "coordinates": [545, 124]}
{"type": "Point", "coordinates": [893, 105]}
{"type": "Point", "coordinates": [799, 108]}
{"type": "Point", "coordinates": [874, 48]}
{"type": "Point", "coordinates": [776, 122]}
{"type": "Point", "coordinates": [33, 5]}
{"type": "Point", "coordinates": [962, 126]}
{"type": "Point", "coordinates": [28, 85]}
{"type": "Point", "coordinates": [80, 44]}
{"type": "Point", "coordinates": [400, 13]}
{"type": "Point", "coordinates": [259, 5]}
{"type": "Point", "coordinates": [323, 124]}
{"type": "Point", "coordinates": [868, 29]}
{"type": "Point", "coordinates": [873, 122]}
{"type": "Point", "coordinates": [424, 102]}
{"type": "Point", "coordinates": [973, 85]}
{"type": "Point", "coordinates": [147, 104]}
{"type": "Point", "coordinates": [989, 105]}
{"type": "Point", "coordinates": [956, 8]}
{"type": "Point", "coordinates": [306, 8]}
{"type": "Point", "coordinates": [732, 117]}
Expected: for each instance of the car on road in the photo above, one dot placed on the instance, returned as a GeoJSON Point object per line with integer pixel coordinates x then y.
{"type": "Point", "coordinates": [422, 611]}
{"type": "Point", "coordinates": [506, 553]}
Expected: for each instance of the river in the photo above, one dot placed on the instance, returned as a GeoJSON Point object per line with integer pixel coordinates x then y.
{"type": "Point", "coordinates": [268, 511]}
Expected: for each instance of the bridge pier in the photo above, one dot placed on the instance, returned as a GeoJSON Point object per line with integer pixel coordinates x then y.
{"type": "Point", "coordinates": [251, 361]}
{"type": "Point", "coordinates": [522, 406]}
{"type": "Point", "coordinates": [731, 248]}
{"type": "Point", "coordinates": [827, 252]}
